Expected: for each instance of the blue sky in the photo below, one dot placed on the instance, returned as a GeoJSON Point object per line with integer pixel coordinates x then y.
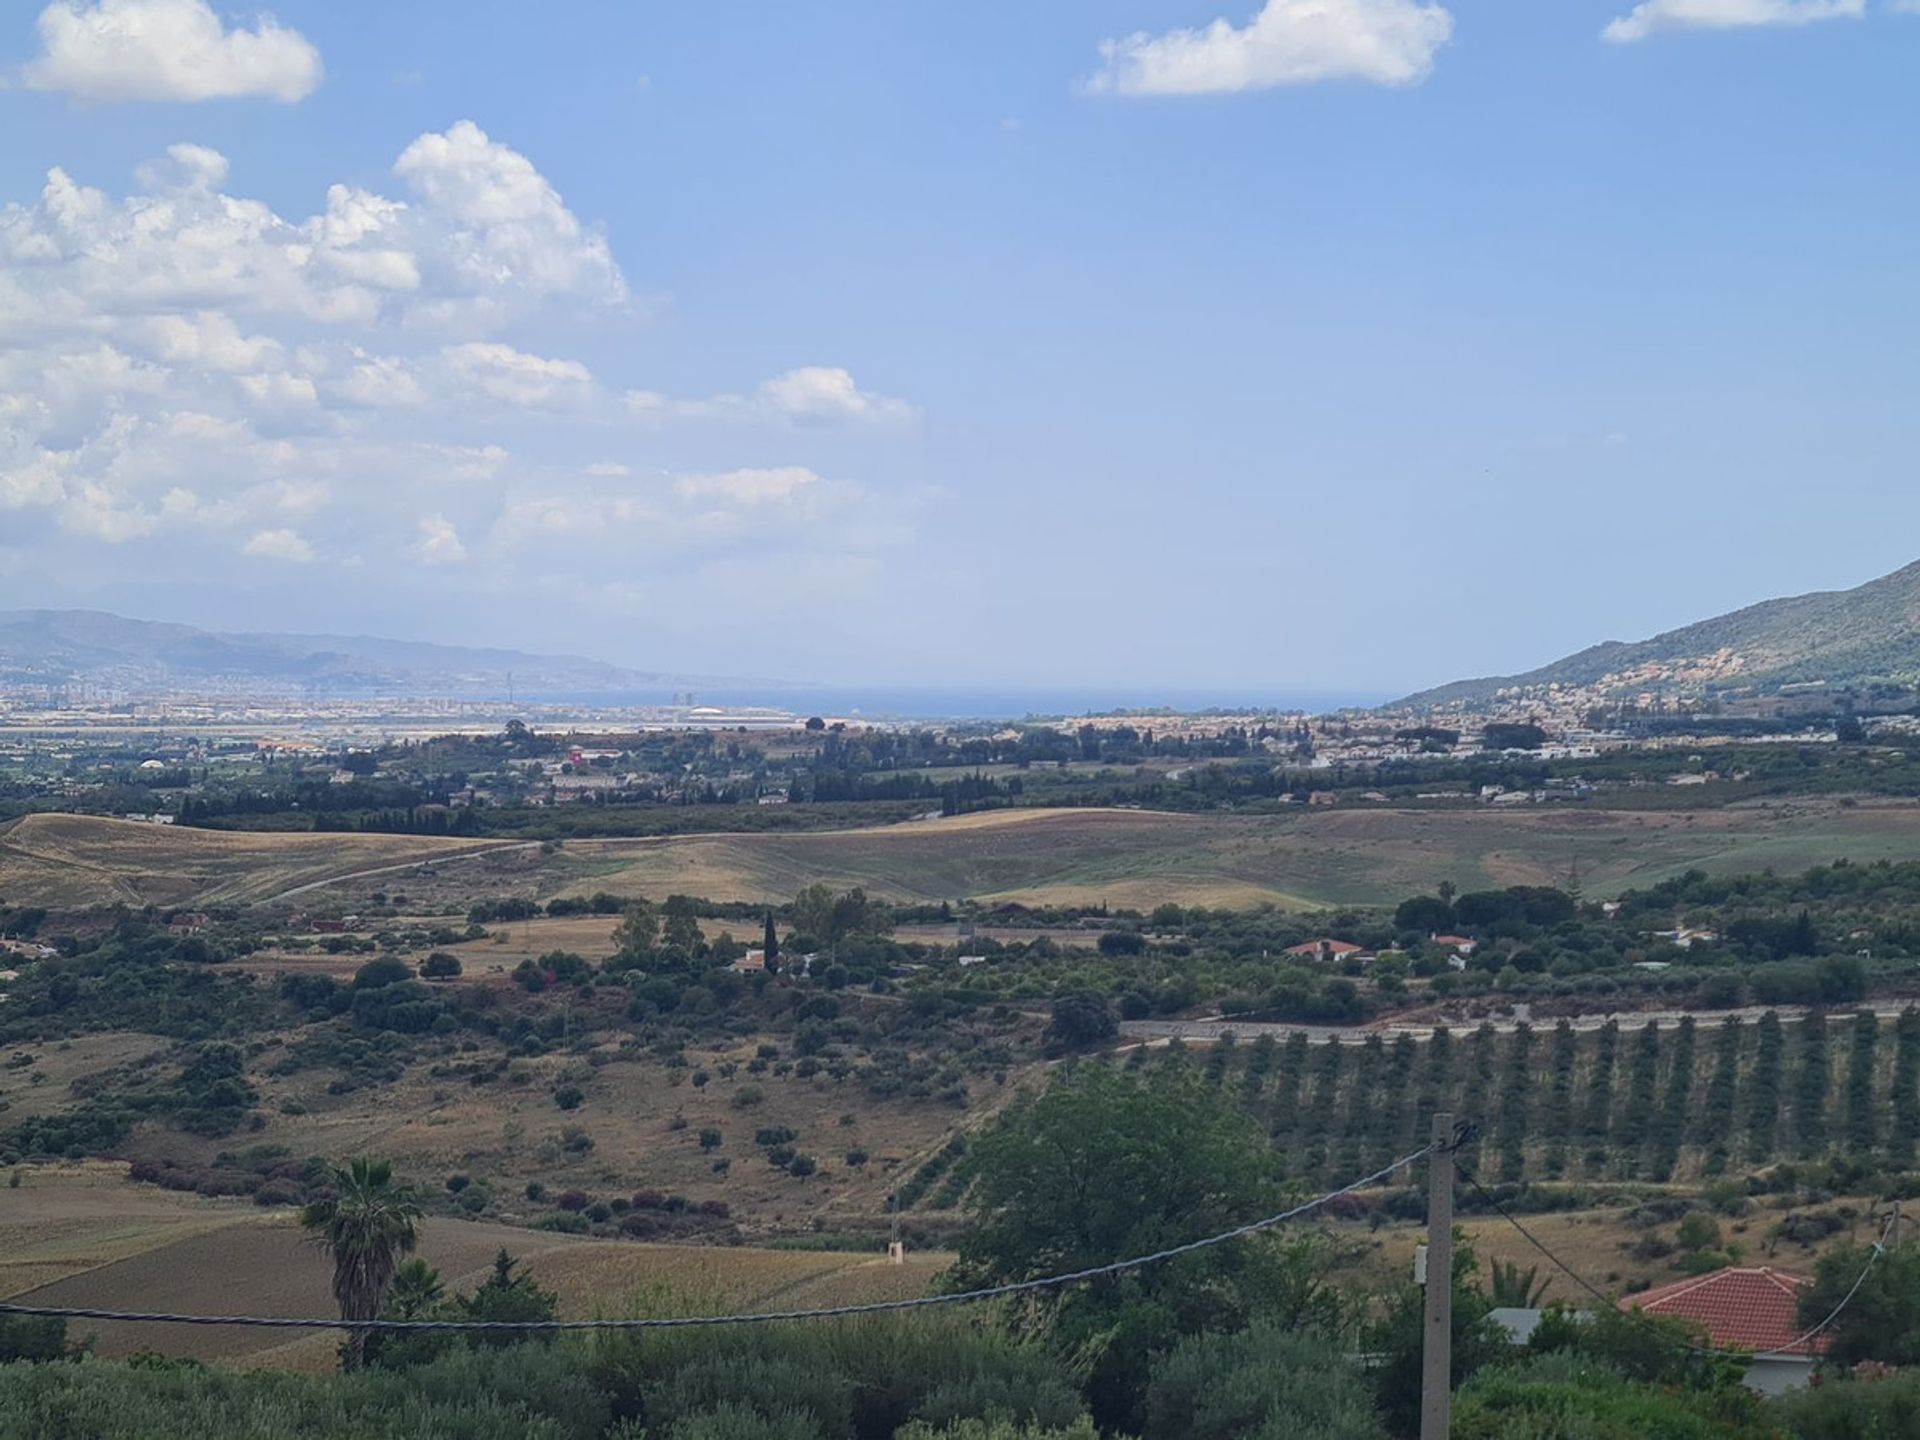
{"type": "Point", "coordinates": [933, 344]}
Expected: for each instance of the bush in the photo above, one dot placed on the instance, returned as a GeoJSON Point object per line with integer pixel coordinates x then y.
{"type": "Point", "coordinates": [1264, 1383]}
{"type": "Point", "coordinates": [568, 1097]}
{"type": "Point", "coordinates": [530, 1391]}
{"type": "Point", "coordinates": [376, 974]}
{"type": "Point", "coordinates": [32, 1337]}
{"type": "Point", "coordinates": [1847, 1410]}
{"type": "Point", "coordinates": [738, 1422]}
{"type": "Point", "coordinates": [1561, 1396]}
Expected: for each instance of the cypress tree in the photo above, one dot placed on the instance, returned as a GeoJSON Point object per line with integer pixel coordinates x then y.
{"type": "Point", "coordinates": [1906, 1087]}
{"type": "Point", "coordinates": [1715, 1128]}
{"type": "Point", "coordinates": [1810, 1088]}
{"type": "Point", "coordinates": [1763, 1091]}
{"type": "Point", "coordinates": [1560, 1099]}
{"type": "Point", "coordinates": [1670, 1122]}
{"type": "Point", "coordinates": [1861, 1128]}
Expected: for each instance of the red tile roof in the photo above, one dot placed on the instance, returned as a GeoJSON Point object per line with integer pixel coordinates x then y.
{"type": "Point", "coordinates": [1752, 1307]}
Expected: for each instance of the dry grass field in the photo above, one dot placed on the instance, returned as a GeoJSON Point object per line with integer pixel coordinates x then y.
{"type": "Point", "coordinates": [1347, 856]}
{"type": "Point", "coordinates": [77, 860]}
{"type": "Point", "coordinates": [84, 1235]}
{"type": "Point", "coordinates": [36, 1080]}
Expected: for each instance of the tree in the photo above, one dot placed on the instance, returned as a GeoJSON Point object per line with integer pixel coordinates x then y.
{"type": "Point", "coordinates": [505, 1296]}
{"type": "Point", "coordinates": [1104, 1165]}
{"type": "Point", "coordinates": [770, 946]}
{"type": "Point", "coordinates": [1081, 1020]}
{"type": "Point", "coordinates": [440, 966]}
{"type": "Point", "coordinates": [376, 974]}
{"type": "Point", "coordinates": [1512, 1286]}
{"type": "Point", "coordinates": [819, 912]}
{"type": "Point", "coordinates": [682, 928]}
{"type": "Point", "coordinates": [1426, 914]}
{"type": "Point", "coordinates": [365, 1225]}
{"type": "Point", "coordinates": [639, 929]}
{"type": "Point", "coordinates": [1882, 1320]}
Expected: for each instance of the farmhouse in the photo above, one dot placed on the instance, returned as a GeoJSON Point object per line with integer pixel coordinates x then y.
{"type": "Point", "coordinates": [1753, 1308]}
{"type": "Point", "coordinates": [1325, 950]}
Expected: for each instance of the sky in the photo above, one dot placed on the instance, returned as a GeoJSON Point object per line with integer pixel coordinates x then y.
{"type": "Point", "coordinates": [1337, 347]}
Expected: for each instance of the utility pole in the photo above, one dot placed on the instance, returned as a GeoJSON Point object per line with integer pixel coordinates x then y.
{"type": "Point", "coordinates": [1436, 1351]}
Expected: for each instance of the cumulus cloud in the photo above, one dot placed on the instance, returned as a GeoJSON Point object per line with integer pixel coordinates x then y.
{"type": "Point", "coordinates": [182, 243]}
{"type": "Point", "coordinates": [188, 374]}
{"type": "Point", "coordinates": [1290, 42]}
{"type": "Point", "coordinates": [167, 50]}
{"type": "Point", "coordinates": [809, 393]}
{"type": "Point", "coordinates": [518, 378]}
{"type": "Point", "coordinates": [279, 545]}
{"type": "Point", "coordinates": [1652, 16]}
{"type": "Point", "coordinates": [507, 222]}
{"type": "Point", "coordinates": [439, 542]}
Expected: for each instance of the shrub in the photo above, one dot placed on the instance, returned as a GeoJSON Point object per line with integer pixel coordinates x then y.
{"type": "Point", "coordinates": [568, 1097]}
{"type": "Point", "coordinates": [739, 1422]}
{"type": "Point", "coordinates": [376, 974]}
{"type": "Point", "coordinates": [1263, 1382]}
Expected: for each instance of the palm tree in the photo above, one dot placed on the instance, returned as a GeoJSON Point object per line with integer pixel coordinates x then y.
{"type": "Point", "coordinates": [1517, 1288]}
{"type": "Point", "coordinates": [416, 1290]}
{"type": "Point", "coordinates": [366, 1225]}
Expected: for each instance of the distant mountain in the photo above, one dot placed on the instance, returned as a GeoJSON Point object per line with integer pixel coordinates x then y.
{"type": "Point", "coordinates": [1840, 637]}
{"type": "Point", "coordinates": [66, 647]}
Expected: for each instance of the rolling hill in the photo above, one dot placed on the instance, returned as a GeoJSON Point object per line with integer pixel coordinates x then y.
{"type": "Point", "coordinates": [1841, 637]}
{"type": "Point", "coordinates": [64, 647]}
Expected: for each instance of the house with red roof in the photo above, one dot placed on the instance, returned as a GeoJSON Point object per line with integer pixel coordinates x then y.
{"type": "Point", "coordinates": [1324, 950]}
{"type": "Point", "coordinates": [1754, 1308]}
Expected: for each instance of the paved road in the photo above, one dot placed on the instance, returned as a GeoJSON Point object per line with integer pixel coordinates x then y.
{"type": "Point", "coordinates": [1161, 1031]}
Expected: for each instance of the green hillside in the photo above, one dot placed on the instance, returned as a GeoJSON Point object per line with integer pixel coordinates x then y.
{"type": "Point", "coordinates": [1844, 637]}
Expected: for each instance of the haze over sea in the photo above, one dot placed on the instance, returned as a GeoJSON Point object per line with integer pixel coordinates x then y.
{"type": "Point", "coordinates": [882, 701]}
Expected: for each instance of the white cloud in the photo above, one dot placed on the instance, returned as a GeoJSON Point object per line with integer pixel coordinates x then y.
{"type": "Point", "coordinates": [439, 542]}
{"type": "Point", "coordinates": [209, 340]}
{"type": "Point", "coordinates": [1653, 16]}
{"type": "Point", "coordinates": [187, 374]}
{"type": "Point", "coordinates": [1290, 42]}
{"type": "Point", "coordinates": [167, 50]}
{"type": "Point", "coordinates": [508, 224]}
{"type": "Point", "coordinates": [279, 545]}
{"type": "Point", "coordinates": [749, 488]}
{"type": "Point", "coordinates": [518, 378]}
{"type": "Point", "coordinates": [809, 393]}
{"type": "Point", "coordinates": [182, 244]}
{"type": "Point", "coordinates": [825, 392]}
{"type": "Point", "coordinates": [379, 382]}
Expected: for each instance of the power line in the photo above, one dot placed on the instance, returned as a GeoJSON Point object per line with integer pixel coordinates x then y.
{"type": "Point", "coordinates": [1873, 1256]}
{"type": "Point", "coordinates": [961, 1297]}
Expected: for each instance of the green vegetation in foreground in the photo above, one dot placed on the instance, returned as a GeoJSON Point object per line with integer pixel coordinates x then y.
{"type": "Point", "coordinates": [1254, 1339]}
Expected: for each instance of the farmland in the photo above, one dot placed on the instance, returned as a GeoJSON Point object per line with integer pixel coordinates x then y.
{"type": "Point", "coordinates": [1121, 858]}
{"type": "Point", "coordinates": [73, 860]}
{"type": "Point", "coordinates": [1139, 859]}
{"type": "Point", "coordinates": [83, 1235]}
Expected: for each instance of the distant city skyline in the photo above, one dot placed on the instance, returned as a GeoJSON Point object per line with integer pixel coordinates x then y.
{"type": "Point", "coordinates": [1307, 347]}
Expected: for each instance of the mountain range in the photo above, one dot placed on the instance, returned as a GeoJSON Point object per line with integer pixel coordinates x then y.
{"type": "Point", "coordinates": [68, 647]}
{"type": "Point", "coordinates": [1838, 637]}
